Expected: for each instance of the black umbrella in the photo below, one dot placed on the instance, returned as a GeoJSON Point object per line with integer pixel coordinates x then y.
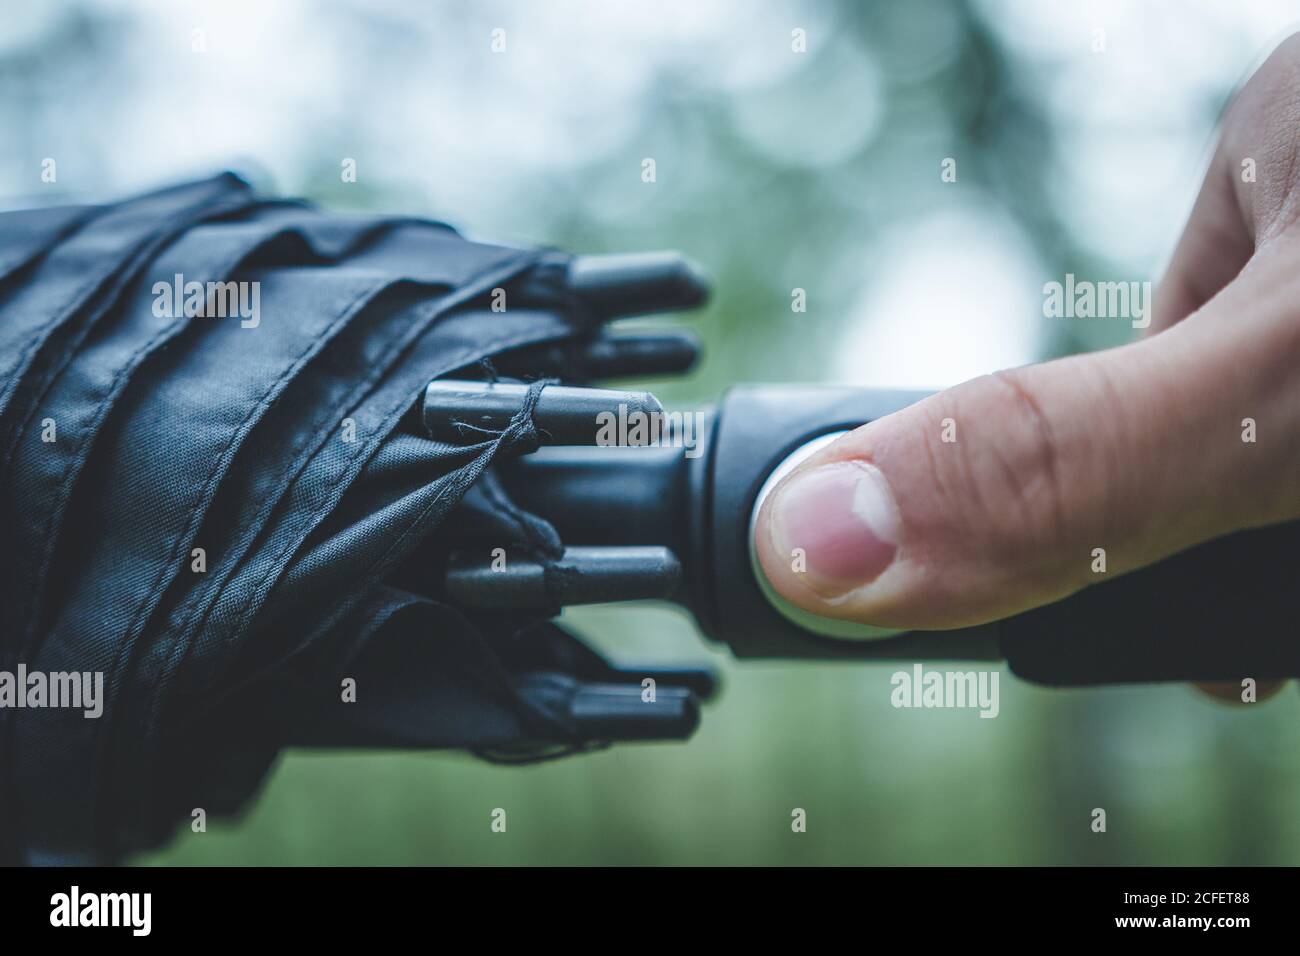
{"type": "Point", "coordinates": [221, 504]}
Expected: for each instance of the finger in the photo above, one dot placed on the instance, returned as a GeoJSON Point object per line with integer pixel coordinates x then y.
{"type": "Point", "coordinates": [1215, 245]}
{"type": "Point", "coordinates": [996, 496]}
{"type": "Point", "coordinates": [1249, 196]}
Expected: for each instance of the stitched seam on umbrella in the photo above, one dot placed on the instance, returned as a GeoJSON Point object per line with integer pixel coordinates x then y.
{"type": "Point", "coordinates": [86, 437]}
{"type": "Point", "coordinates": [99, 747]}
{"type": "Point", "coordinates": [465, 355]}
{"type": "Point", "coordinates": [515, 269]}
{"type": "Point", "coordinates": [136, 267]}
{"type": "Point", "coordinates": [262, 403]}
{"type": "Point", "coordinates": [361, 237]}
{"type": "Point", "coordinates": [311, 447]}
{"type": "Point", "coordinates": [78, 298]}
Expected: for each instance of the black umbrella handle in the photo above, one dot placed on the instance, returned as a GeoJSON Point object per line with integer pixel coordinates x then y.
{"type": "Point", "coordinates": [1225, 610]}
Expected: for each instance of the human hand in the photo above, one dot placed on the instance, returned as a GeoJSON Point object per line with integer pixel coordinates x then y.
{"type": "Point", "coordinates": [1139, 450]}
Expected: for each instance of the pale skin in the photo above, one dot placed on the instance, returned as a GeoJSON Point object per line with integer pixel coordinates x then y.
{"type": "Point", "coordinates": [1136, 449]}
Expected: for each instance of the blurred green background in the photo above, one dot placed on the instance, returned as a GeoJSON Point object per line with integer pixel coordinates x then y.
{"type": "Point", "coordinates": [1079, 132]}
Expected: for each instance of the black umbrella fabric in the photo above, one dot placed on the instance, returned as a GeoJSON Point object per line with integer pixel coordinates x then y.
{"type": "Point", "coordinates": [215, 500]}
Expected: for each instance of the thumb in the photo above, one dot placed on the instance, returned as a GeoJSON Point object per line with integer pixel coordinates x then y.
{"type": "Point", "coordinates": [994, 497]}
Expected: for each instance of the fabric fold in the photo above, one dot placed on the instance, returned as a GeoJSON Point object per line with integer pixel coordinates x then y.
{"type": "Point", "coordinates": [214, 487]}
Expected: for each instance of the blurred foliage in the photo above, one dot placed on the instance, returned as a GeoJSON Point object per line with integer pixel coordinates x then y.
{"type": "Point", "coordinates": [775, 173]}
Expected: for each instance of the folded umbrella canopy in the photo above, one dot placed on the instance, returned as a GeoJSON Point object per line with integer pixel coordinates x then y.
{"type": "Point", "coordinates": [218, 499]}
